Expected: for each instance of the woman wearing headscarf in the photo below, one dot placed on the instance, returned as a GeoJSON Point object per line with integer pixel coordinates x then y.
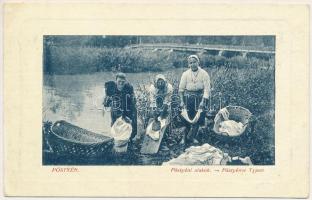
{"type": "Point", "coordinates": [160, 93]}
{"type": "Point", "coordinates": [194, 91]}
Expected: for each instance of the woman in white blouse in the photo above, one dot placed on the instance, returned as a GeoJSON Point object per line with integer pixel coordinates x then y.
{"type": "Point", "coordinates": [194, 91]}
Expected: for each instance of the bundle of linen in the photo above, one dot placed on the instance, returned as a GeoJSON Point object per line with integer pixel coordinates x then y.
{"type": "Point", "coordinates": [201, 155]}
{"type": "Point", "coordinates": [121, 132]}
{"type": "Point", "coordinates": [207, 155]}
{"type": "Point", "coordinates": [228, 127]}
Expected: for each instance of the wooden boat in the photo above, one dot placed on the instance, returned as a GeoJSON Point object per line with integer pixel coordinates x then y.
{"type": "Point", "coordinates": [68, 139]}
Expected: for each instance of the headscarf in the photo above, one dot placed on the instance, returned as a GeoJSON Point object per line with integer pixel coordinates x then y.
{"type": "Point", "coordinates": [193, 56]}
{"type": "Point", "coordinates": [161, 76]}
{"type": "Point", "coordinates": [121, 75]}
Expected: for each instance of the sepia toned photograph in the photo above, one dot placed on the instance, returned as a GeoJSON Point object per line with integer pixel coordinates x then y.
{"type": "Point", "coordinates": [158, 100]}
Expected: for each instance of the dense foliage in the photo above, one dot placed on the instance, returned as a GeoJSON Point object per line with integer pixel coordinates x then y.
{"type": "Point", "coordinates": [252, 88]}
{"type": "Point", "coordinates": [82, 60]}
{"type": "Point", "coordinates": [266, 42]}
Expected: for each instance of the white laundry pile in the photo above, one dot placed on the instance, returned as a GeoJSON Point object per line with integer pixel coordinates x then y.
{"type": "Point", "coordinates": [229, 127]}
{"type": "Point", "coordinates": [206, 155]}
{"type": "Point", "coordinates": [121, 132]}
{"type": "Point", "coordinates": [200, 155]}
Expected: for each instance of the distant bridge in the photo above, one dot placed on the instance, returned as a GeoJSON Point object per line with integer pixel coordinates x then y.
{"type": "Point", "coordinates": [227, 51]}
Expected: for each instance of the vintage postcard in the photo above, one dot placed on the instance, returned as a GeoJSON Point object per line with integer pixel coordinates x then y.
{"type": "Point", "coordinates": [156, 100]}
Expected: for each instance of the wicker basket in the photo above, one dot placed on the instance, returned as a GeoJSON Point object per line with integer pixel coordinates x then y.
{"type": "Point", "coordinates": [236, 113]}
{"type": "Point", "coordinates": [68, 139]}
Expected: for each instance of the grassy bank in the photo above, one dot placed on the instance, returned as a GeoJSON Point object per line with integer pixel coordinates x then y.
{"type": "Point", "coordinates": [82, 60]}
{"type": "Point", "coordinates": [250, 88]}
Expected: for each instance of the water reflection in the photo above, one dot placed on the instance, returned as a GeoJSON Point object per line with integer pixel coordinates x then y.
{"type": "Point", "coordinates": [78, 98]}
{"type": "Point", "coordinates": [75, 99]}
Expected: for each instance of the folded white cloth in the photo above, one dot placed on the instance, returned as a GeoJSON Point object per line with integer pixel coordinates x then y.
{"type": "Point", "coordinates": [186, 117]}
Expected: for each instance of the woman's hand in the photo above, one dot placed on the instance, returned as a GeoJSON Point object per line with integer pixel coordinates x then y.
{"type": "Point", "coordinates": [127, 119]}
{"type": "Point", "coordinates": [107, 101]}
{"type": "Point", "coordinates": [182, 105]}
{"type": "Point", "coordinates": [203, 103]}
{"type": "Point", "coordinates": [225, 113]}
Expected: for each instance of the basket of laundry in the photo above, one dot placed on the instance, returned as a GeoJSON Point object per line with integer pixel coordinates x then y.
{"type": "Point", "coordinates": [232, 121]}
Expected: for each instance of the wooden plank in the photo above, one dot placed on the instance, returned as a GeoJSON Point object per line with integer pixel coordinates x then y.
{"type": "Point", "coordinates": [150, 146]}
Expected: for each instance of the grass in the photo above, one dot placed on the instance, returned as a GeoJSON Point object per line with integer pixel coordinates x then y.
{"type": "Point", "coordinates": [252, 88]}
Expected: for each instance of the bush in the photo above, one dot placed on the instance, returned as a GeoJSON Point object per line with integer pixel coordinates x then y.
{"type": "Point", "coordinates": [251, 88]}
{"type": "Point", "coordinates": [81, 60]}
{"type": "Point", "coordinates": [74, 60]}
{"type": "Point", "coordinates": [68, 60]}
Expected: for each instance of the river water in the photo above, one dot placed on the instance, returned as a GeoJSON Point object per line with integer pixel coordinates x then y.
{"type": "Point", "coordinates": [78, 99]}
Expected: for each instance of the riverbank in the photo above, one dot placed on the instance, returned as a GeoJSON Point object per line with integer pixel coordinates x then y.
{"type": "Point", "coordinates": [253, 143]}
{"type": "Point", "coordinates": [75, 98]}
{"type": "Point", "coordinates": [88, 60]}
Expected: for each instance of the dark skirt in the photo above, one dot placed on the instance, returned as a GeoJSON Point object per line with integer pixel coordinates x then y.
{"type": "Point", "coordinates": [192, 101]}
